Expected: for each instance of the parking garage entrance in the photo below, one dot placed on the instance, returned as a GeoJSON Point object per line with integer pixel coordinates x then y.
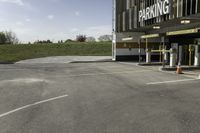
{"type": "Point", "coordinates": [176, 48]}
{"type": "Point", "coordinates": [186, 47]}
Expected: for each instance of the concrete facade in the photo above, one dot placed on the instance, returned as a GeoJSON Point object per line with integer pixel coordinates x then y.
{"type": "Point", "coordinates": [158, 26]}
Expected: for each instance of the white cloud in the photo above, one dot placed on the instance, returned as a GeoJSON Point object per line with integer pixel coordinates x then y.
{"type": "Point", "coordinates": [18, 2]}
{"type": "Point", "coordinates": [27, 20]}
{"type": "Point", "coordinates": [2, 19]}
{"type": "Point", "coordinates": [19, 23]}
{"type": "Point", "coordinates": [94, 31]}
{"type": "Point", "coordinates": [77, 13]}
{"type": "Point", "coordinates": [50, 17]}
{"type": "Point", "coordinates": [97, 31]}
{"type": "Point", "coordinates": [55, 0]}
{"type": "Point", "coordinates": [74, 30]}
{"type": "Point", "coordinates": [21, 31]}
{"type": "Point", "coordinates": [26, 34]}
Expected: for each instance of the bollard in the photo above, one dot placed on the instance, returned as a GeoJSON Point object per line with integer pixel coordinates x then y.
{"type": "Point", "coordinates": [173, 58]}
{"type": "Point", "coordinates": [179, 69]}
{"type": "Point", "coordinates": [165, 56]}
{"type": "Point", "coordinates": [148, 56]}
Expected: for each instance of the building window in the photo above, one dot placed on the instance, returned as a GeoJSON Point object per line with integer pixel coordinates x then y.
{"type": "Point", "coordinates": [188, 7]}
{"type": "Point", "coordinates": [179, 8]}
{"type": "Point", "coordinates": [198, 6]}
{"type": "Point", "coordinates": [193, 10]}
{"type": "Point", "coordinates": [184, 7]}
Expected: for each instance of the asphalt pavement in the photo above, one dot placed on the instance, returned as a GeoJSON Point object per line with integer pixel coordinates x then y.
{"type": "Point", "coordinates": [66, 59]}
{"type": "Point", "coordinates": [105, 97]}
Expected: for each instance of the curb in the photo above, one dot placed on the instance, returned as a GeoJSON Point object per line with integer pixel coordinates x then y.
{"type": "Point", "coordinates": [6, 62]}
{"type": "Point", "coordinates": [150, 64]}
{"type": "Point", "coordinates": [183, 68]}
{"type": "Point", "coordinates": [100, 61]}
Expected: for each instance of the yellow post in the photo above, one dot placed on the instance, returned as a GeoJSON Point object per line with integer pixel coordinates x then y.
{"type": "Point", "coordinates": [160, 53]}
{"type": "Point", "coordinates": [146, 43]}
{"type": "Point", "coordinates": [190, 55]}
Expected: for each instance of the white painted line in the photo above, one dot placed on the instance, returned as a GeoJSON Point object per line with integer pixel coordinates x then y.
{"type": "Point", "coordinates": [30, 105]}
{"type": "Point", "coordinates": [24, 80]}
{"type": "Point", "coordinates": [172, 81]}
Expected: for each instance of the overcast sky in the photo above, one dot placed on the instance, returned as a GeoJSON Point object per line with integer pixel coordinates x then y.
{"type": "Point", "coordinates": [55, 19]}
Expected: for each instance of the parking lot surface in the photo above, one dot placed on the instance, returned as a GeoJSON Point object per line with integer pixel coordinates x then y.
{"type": "Point", "coordinates": [106, 97]}
{"type": "Point", "coordinates": [65, 59]}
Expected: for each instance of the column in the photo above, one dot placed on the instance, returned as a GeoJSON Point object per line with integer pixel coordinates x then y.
{"type": "Point", "coordinates": [180, 55]}
{"type": "Point", "coordinates": [148, 56]}
{"type": "Point", "coordinates": [197, 56]}
{"type": "Point", "coordinates": [173, 58]}
{"type": "Point", "coordinates": [165, 57]}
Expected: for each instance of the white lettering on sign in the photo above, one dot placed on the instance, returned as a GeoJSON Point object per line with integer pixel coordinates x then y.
{"type": "Point", "coordinates": [156, 10]}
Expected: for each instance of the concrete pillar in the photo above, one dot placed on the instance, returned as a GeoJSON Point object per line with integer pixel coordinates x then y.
{"type": "Point", "coordinates": [197, 56]}
{"type": "Point", "coordinates": [148, 56]}
{"type": "Point", "coordinates": [180, 54]}
{"type": "Point", "coordinates": [165, 56]}
{"type": "Point", "coordinates": [173, 58]}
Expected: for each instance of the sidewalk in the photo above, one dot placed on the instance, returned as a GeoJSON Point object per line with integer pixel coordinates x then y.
{"type": "Point", "coordinates": [168, 68]}
{"type": "Point", "coordinates": [188, 71]}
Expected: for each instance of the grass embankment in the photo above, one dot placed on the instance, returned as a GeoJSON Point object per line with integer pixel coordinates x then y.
{"type": "Point", "coordinates": [14, 53]}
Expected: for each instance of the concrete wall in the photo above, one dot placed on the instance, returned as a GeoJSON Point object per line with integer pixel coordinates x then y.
{"type": "Point", "coordinates": [130, 48]}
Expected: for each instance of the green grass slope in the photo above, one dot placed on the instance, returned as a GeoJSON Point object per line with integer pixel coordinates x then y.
{"type": "Point", "coordinates": [13, 53]}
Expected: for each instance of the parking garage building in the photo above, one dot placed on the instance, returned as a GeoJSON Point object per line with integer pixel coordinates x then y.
{"type": "Point", "coordinates": [157, 31]}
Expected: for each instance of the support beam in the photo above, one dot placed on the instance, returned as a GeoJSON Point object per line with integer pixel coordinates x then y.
{"type": "Point", "coordinates": [149, 36]}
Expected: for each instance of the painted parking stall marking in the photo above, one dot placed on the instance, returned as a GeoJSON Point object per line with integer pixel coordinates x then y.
{"type": "Point", "coordinates": [31, 105]}
{"type": "Point", "coordinates": [172, 81]}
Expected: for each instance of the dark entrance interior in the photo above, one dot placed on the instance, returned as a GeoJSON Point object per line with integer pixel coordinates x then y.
{"type": "Point", "coordinates": [185, 47]}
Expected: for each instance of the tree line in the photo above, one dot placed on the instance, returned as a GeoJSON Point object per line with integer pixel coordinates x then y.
{"type": "Point", "coordinates": [8, 37]}
{"type": "Point", "coordinates": [79, 38]}
{"type": "Point", "coordinates": [84, 38]}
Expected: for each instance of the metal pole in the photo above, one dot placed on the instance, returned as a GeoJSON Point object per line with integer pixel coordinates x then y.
{"type": "Point", "coordinates": [146, 43]}
{"type": "Point", "coordinates": [139, 42]}
{"type": "Point", "coordinates": [160, 48]}
{"type": "Point", "coordinates": [148, 53]}
{"type": "Point", "coordinates": [163, 41]}
{"type": "Point", "coordinates": [190, 55]}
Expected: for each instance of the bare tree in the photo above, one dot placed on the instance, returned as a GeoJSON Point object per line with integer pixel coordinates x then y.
{"type": "Point", "coordinates": [2, 38]}
{"type": "Point", "coordinates": [8, 37]}
{"type": "Point", "coordinates": [11, 38]}
{"type": "Point", "coordinates": [105, 38]}
{"type": "Point", "coordinates": [90, 39]}
{"type": "Point", "coordinates": [81, 38]}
